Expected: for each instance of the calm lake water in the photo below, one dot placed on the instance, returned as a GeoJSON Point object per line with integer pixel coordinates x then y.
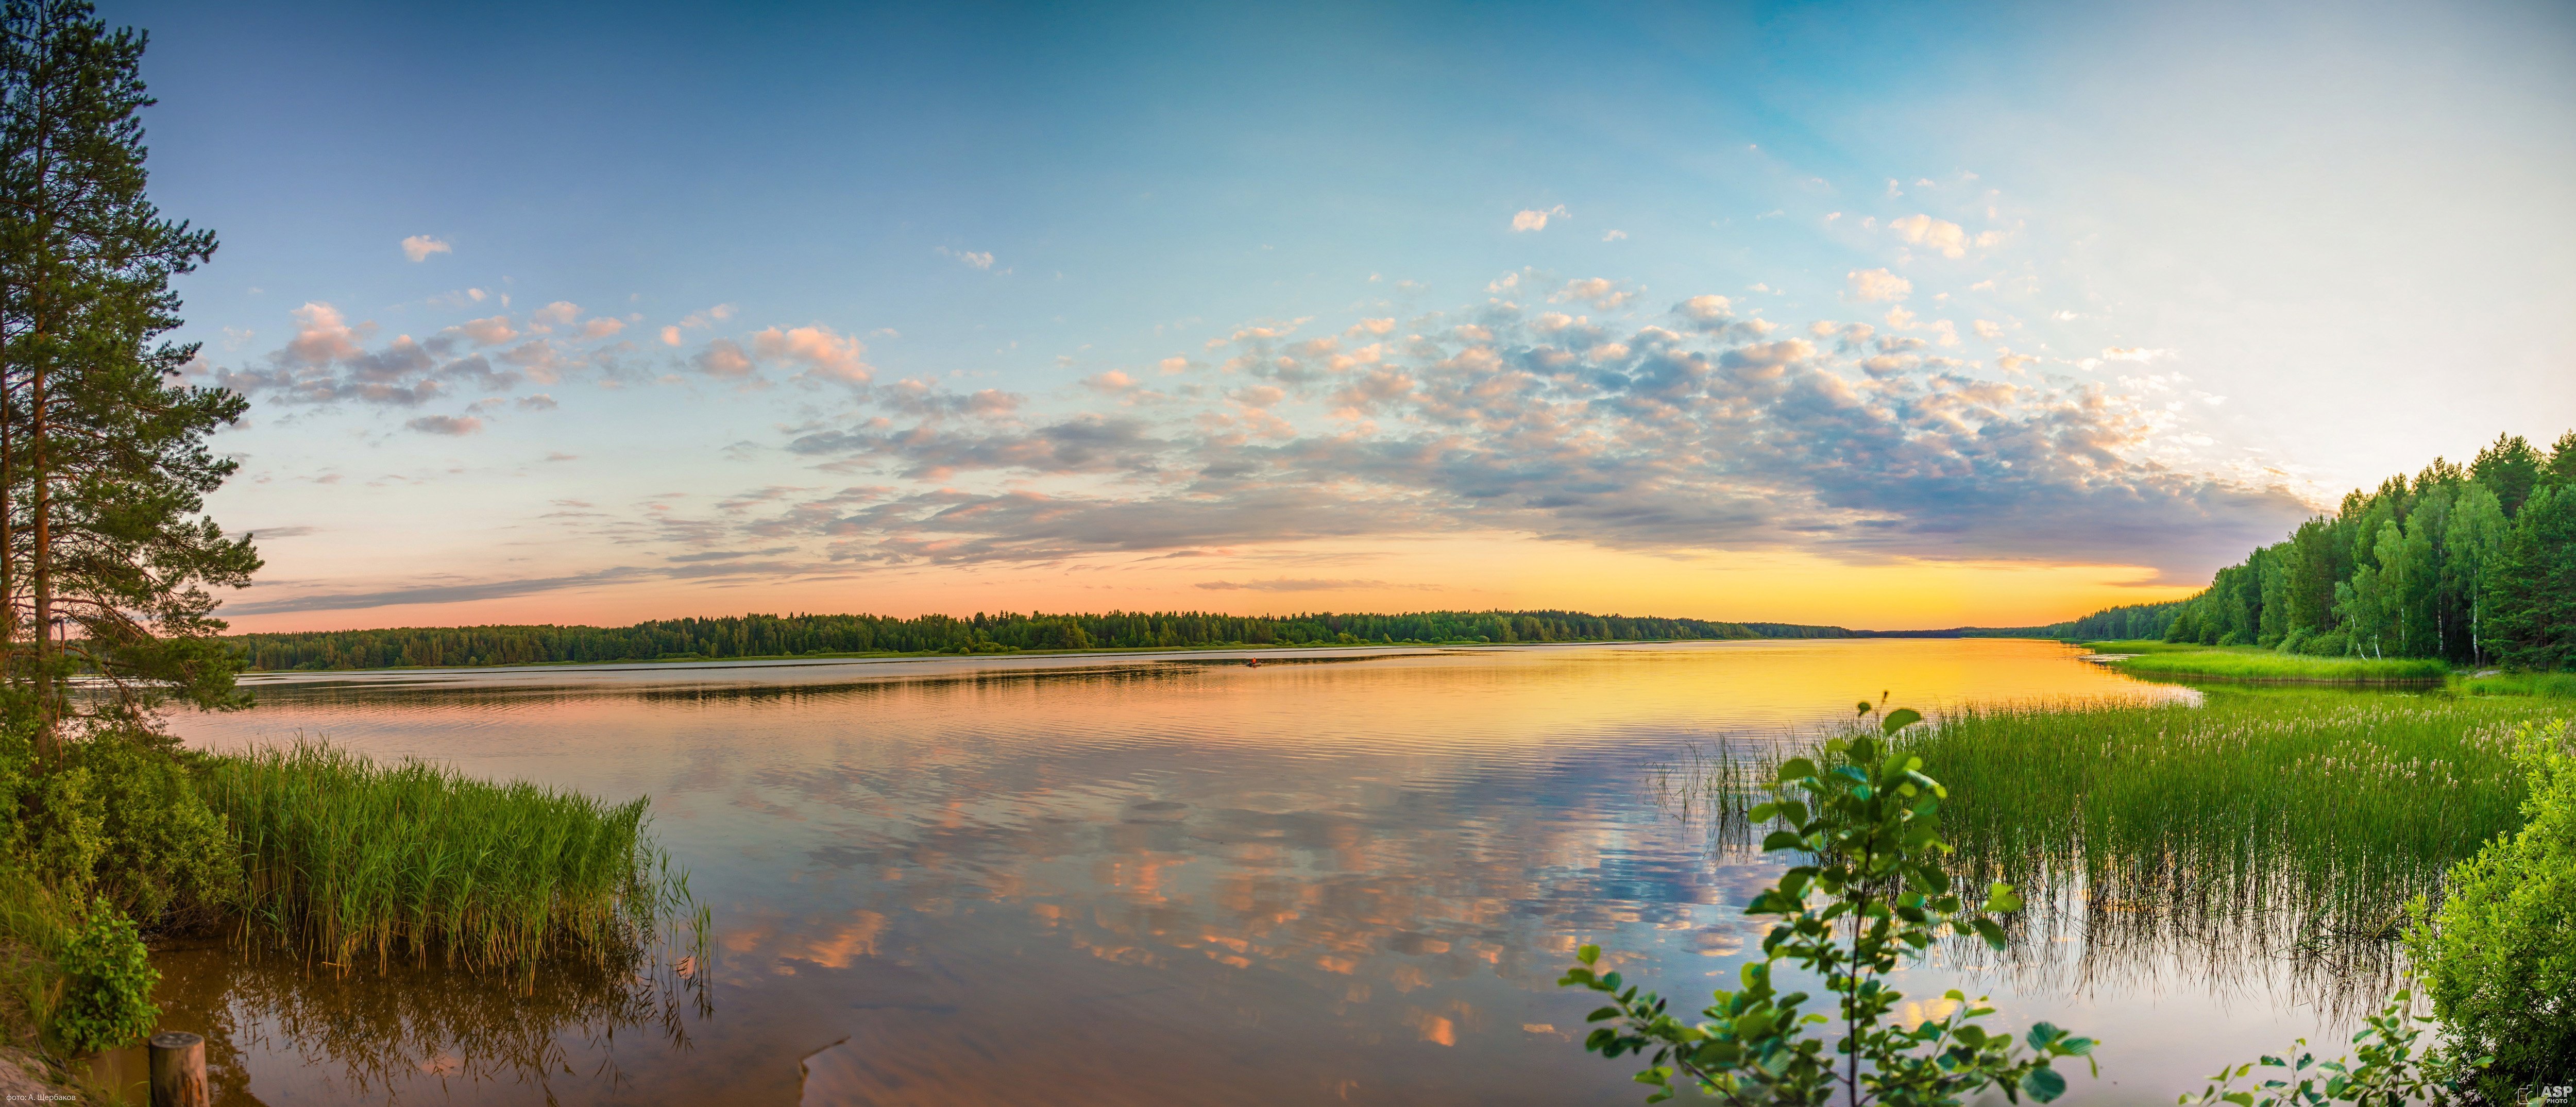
{"type": "Point", "coordinates": [1337, 877]}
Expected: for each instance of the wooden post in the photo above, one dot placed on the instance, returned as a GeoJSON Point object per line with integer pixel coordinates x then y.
{"type": "Point", "coordinates": [179, 1070]}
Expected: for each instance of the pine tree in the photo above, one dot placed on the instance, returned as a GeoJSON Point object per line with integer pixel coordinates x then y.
{"type": "Point", "coordinates": [2511, 468]}
{"type": "Point", "coordinates": [103, 459]}
{"type": "Point", "coordinates": [2535, 584]}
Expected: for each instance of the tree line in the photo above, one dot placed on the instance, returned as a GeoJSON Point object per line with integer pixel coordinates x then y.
{"type": "Point", "coordinates": [2472, 564]}
{"type": "Point", "coordinates": [796, 635]}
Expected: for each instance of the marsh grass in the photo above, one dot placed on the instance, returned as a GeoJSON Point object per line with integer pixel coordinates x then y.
{"type": "Point", "coordinates": [2335, 807]}
{"type": "Point", "coordinates": [346, 861]}
{"type": "Point", "coordinates": [2265, 666]}
{"type": "Point", "coordinates": [2262, 829]}
{"type": "Point", "coordinates": [2550, 685]}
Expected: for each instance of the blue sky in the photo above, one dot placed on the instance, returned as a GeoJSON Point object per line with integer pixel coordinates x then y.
{"type": "Point", "coordinates": [1314, 306]}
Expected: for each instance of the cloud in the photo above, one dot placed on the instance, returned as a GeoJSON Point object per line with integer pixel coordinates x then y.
{"type": "Point", "coordinates": [1866, 285]}
{"type": "Point", "coordinates": [557, 314]}
{"type": "Point", "coordinates": [423, 594]}
{"type": "Point", "coordinates": [321, 335]}
{"type": "Point", "coordinates": [1705, 309]}
{"type": "Point", "coordinates": [1614, 236]}
{"type": "Point", "coordinates": [1636, 437]}
{"type": "Point", "coordinates": [602, 328]}
{"type": "Point", "coordinates": [670, 336]}
{"type": "Point", "coordinates": [1600, 292]}
{"type": "Point", "coordinates": [418, 247]}
{"type": "Point", "coordinates": [491, 331]}
{"type": "Point", "coordinates": [1989, 331]}
{"type": "Point", "coordinates": [823, 353]}
{"type": "Point", "coordinates": [973, 258]}
{"type": "Point", "coordinates": [1536, 220]}
{"type": "Point", "coordinates": [723, 359]}
{"type": "Point", "coordinates": [1293, 584]}
{"type": "Point", "coordinates": [457, 425]}
{"type": "Point", "coordinates": [1948, 239]}
{"type": "Point", "coordinates": [538, 402]}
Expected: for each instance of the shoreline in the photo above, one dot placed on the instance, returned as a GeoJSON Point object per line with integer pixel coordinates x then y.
{"type": "Point", "coordinates": [254, 678]}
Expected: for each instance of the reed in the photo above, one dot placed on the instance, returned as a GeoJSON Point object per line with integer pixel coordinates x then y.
{"type": "Point", "coordinates": [2332, 809]}
{"type": "Point", "coordinates": [2263, 829]}
{"type": "Point", "coordinates": [344, 858]}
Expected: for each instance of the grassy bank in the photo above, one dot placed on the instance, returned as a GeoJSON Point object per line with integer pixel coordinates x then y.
{"type": "Point", "coordinates": [2547, 685]}
{"type": "Point", "coordinates": [2192, 661]}
{"type": "Point", "coordinates": [348, 860]}
{"type": "Point", "coordinates": [2268, 667]}
{"type": "Point", "coordinates": [315, 852]}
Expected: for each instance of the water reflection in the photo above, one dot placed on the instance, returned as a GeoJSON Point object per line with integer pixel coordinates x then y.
{"type": "Point", "coordinates": [1158, 880]}
{"type": "Point", "coordinates": [414, 1032]}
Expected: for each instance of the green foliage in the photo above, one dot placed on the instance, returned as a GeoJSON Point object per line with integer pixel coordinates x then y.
{"type": "Point", "coordinates": [121, 817]}
{"type": "Point", "coordinates": [2498, 957]}
{"type": "Point", "coordinates": [2385, 1069]}
{"type": "Point", "coordinates": [2453, 564]}
{"type": "Point", "coordinates": [107, 557]}
{"type": "Point", "coordinates": [110, 976]}
{"type": "Point", "coordinates": [166, 856]}
{"type": "Point", "coordinates": [1872, 896]}
{"type": "Point", "coordinates": [2535, 584]}
{"type": "Point", "coordinates": [343, 857]}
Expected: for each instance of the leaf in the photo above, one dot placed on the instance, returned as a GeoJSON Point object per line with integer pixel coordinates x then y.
{"type": "Point", "coordinates": [1993, 934]}
{"type": "Point", "coordinates": [1588, 954]}
{"type": "Point", "coordinates": [2043, 1084]}
{"type": "Point", "coordinates": [1782, 839]}
{"type": "Point", "coordinates": [1796, 768]}
{"type": "Point", "coordinates": [1898, 720]}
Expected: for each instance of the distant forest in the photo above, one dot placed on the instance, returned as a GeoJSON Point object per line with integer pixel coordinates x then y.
{"type": "Point", "coordinates": [2473, 565]}
{"type": "Point", "coordinates": [797, 635]}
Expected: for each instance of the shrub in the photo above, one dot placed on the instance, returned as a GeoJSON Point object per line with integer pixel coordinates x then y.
{"type": "Point", "coordinates": [108, 979]}
{"type": "Point", "coordinates": [166, 853]}
{"type": "Point", "coordinates": [1866, 822]}
{"type": "Point", "coordinates": [2498, 957]}
{"type": "Point", "coordinates": [155, 848]}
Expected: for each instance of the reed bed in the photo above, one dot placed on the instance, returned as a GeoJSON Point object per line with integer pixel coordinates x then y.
{"type": "Point", "coordinates": [2334, 809]}
{"type": "Point", "coordinates": [2265, 666]}
{"type": "Point", "coordinates": [344, 859]}
{"type": "Point", "coordinates": [2259, 824]}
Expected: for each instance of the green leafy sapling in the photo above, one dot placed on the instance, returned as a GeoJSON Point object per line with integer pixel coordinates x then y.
{"type": "Point", "coordinates": [2386, 1069]}
{"type": "Point", "coordinates": [1872, 895]}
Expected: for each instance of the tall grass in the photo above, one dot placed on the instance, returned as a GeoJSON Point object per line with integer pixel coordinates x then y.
{"type": "Point", "coordinates": [2265, 828]}
{"type": "Point", "coordinates": [2264, 832]}
{"type": "Point", "coordinates": [2265, 666]}
{"type": "Point", "coordinates": [344, 859]}
{"type": "Point", "coordinates": [2555, 685]}
{"type": "Point", "coordinates": [2339, 807]}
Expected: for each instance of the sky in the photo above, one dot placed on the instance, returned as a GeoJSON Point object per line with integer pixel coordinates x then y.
{"type": "Point", "coordinates": [1894, 316]}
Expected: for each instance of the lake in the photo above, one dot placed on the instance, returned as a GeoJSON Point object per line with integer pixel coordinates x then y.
{"type": "Point", "coordinates": [1343, 876]}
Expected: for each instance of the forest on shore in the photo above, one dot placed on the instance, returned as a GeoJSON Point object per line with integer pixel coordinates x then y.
{"type": "Point", "coordinates": [745, 636]}
{"type": "Point", "coordinates": [2470, 564]}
